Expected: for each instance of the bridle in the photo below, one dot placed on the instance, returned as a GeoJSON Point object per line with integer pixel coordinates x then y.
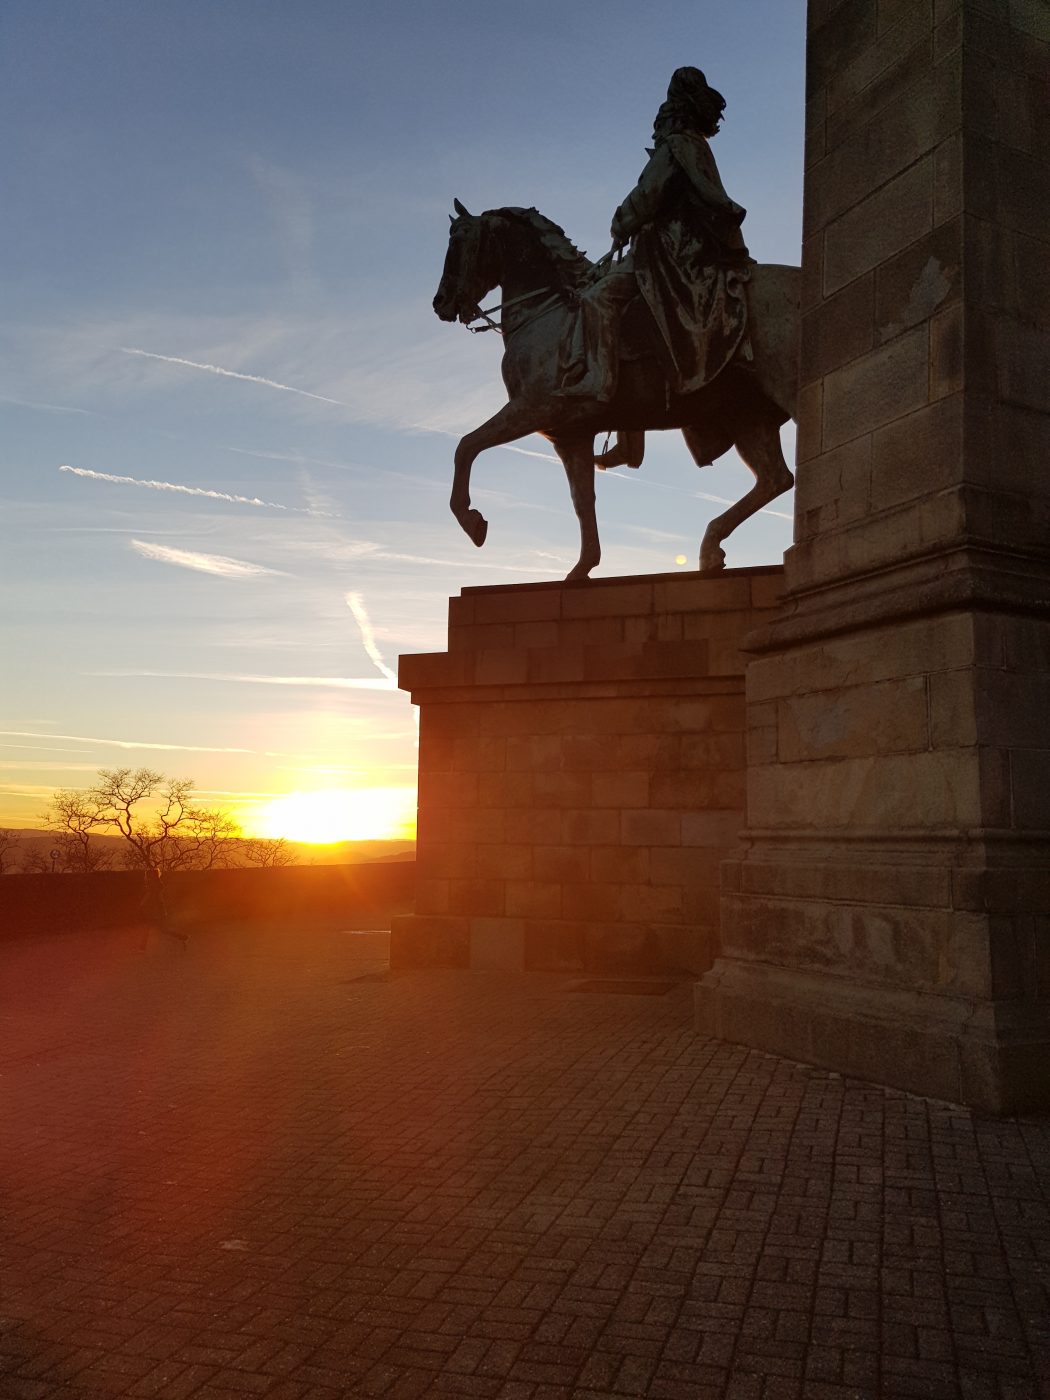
{"type": "Point", "coordinates": [552, 295]}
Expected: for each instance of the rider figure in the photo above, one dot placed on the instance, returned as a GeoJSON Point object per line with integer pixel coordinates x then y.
{"type": "Point", "coordinates": [688, 258]}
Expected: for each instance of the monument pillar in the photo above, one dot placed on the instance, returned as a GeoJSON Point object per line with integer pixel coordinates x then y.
{"type": "Point", "coordinates": [889, 912]}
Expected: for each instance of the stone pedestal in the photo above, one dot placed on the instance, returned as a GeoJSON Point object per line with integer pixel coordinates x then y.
{"type": "Point", "coordinates": [581, 773]}
{"type": "Point", "coordinates": [889, 914]}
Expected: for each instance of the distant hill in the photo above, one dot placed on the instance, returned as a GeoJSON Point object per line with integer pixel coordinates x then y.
{"type": "Point", "coordinates": [307, 853]}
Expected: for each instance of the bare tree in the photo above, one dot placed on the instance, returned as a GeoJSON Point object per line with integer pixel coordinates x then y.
{"type": "Point", "coordinates": [162, 826]}
{"type": "Point", "coordinates": [73, 816]}
{"type": "Point", "coordinates": [272, 852]}
{"type": "Point", "coordinates": [10, 841]}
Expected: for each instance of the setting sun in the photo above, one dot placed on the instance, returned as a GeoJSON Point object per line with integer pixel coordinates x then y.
{"type": "Point", "coordinates": [341, 814]}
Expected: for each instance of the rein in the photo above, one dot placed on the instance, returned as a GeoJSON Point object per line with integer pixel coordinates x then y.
{"type": "Point", "coordinates": [487, 315]}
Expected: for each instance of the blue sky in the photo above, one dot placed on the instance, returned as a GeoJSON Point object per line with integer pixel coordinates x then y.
{"type": "Point", "coordinates": [264, 188]}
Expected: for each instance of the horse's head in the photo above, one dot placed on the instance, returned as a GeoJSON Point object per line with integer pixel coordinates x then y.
{"type": "Point", "coordinates": [469, 272]}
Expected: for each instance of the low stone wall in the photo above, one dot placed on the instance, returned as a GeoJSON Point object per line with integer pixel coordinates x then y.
{"type": "Point", "coordinates": [581, 772]}
{"type": "Point", "coordinates": [356, 894]}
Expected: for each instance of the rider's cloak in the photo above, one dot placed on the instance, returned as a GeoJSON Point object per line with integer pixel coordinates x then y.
{"type": "Point", "coordinates": [689, 256]}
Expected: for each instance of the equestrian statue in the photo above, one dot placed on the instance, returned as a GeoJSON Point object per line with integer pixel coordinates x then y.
{"type": "Point", "coordinates": [676, 327]}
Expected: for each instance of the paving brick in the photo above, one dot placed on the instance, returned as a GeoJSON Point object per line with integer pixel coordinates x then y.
{"type": "Point", "coordinates": [255, 1175]}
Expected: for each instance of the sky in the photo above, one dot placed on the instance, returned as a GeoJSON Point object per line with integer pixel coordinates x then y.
{"type": "Point", "coordinates": [228, 409]}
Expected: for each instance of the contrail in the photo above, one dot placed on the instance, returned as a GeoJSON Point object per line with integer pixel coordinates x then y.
{"type": "Point", "coordinates": [132, 743]}
{"type": "Point", "coordinates": [172, 486]}
{"type": "Point", "coordinates": [324, 682]}
{"type": "Point", "coordinates": [356, 604]}
{"type": "Point", "coordinates": [230, 374]}
{"type": "Point", "coordinates": [219, 564]}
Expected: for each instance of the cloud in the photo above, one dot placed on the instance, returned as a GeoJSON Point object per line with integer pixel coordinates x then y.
{"type": "Point", "coordinates": [230, 374]}
{"type": "Point", "coordinates": [292, 214]}
{"type": "Point", "coordinates": [322, 682]}
{"type": "Point", "coordinates": [172, 486]}
{"type": "Point", "coordinates": [217, 564]}
{"type": "Point", "coordinates": [137, 743]}
{"type": "Point", "coordinates": [46, 407]}
{"type": "Point", "coordinates": [356, 604]}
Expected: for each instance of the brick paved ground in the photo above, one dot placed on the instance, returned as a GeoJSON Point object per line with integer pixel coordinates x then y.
{"type": "Point", "coordinates": [233, 1170]}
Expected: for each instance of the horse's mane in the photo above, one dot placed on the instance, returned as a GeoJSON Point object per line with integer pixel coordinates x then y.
{"type": "Point", "coordinates": [568, 262]}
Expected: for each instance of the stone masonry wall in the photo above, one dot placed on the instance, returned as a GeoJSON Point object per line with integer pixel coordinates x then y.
{"type": "Point", "coordinates": [581, 772]}
{"type": "Point", "coordinates": [890, 912]}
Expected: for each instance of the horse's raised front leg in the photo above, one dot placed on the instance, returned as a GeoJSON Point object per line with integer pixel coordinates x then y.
{"type": "Point", "coordinates": [759, 446]}
{"type": "Point", "coordinates": [512, 421]}
{"type": "Point", "coordinates": [577, 456]}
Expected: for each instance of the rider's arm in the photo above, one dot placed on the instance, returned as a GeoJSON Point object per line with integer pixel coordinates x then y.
{"type": "Point", "coordinates": [644, 202]}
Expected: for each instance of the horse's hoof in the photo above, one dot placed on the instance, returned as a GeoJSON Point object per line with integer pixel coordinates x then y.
{"type": "Point", "coordinates": [477, 527]}
{"type": "Point", "coordinates": [579, 574]}
{"type": "Point", "coordinates": [712, 560]}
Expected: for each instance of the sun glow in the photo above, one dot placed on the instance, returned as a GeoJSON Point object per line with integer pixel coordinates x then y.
{"type": "Point", "coordinates": [340, 814]}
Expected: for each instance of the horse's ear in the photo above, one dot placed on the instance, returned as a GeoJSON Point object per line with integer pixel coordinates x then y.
{"type": "Point", "coordinates": [460, 210]}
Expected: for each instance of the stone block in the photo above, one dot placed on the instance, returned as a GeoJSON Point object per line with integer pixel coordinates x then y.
{"type": "Point", "coordinates": [838, 330]}
{"type": "Point", "coordinates": [948, 179]}
{"type": "Point", "coordinates": [621, 790]}
{"type": "Point", "coordinates": [1024, 192]}
{"type": "Point", "coordinates": [535, 825]}
{"type": "Point", "coordinates": [1023, 359]}
{"type": "Point", "coordinates": [654, 827]}
{"type": "Point", "coordinates": [428, 941]}
{"type": "Point", "coordinates": [812, 293]}
{"type": "Point", "coordinates": [476, 897]}
{"type": "Point", "coordinates": [835, 490]}
{"type": "Point", "coordinates": [683, 866]}
{"type": "Point", "coordinates": [591, 828]}
{"type": "Point", "coordinates": [712, 830]}
{"type": "Point", "coordinates": [1032, 263]}
{"type": "Point", "coordinates": [889, 717]}
{"type": "Point", "coordinates": [620, 865]}
{"type": "Point", "coordinates": [533, 753]}
{"type": "Point", "coordinates": [572, 789]}
{"type": "Point", "coordinates": [554, 946]}
{"type": "Point", "coordinates": [876, 389]}
{"type": "Point", "coordinates": [709, 790]}
{"type": "Point", "coordinates": [889, 793]}
{"type": "Point", "coordinates": [533, 899]}
{"type": "Point", "coordinates": [608, 600]}
{"type": "Point", "coordinates": [439, 860]}
{"type": "Point", "coordinates": [499, 861]}
{"type": "Point", "coordinates": [911, 286]}
{"type": "Point", "coordinates": [432, 896]}
{"type": "Point", "coordinates": [731, 591]}
{"type": "Point", "coordinates": [713, 751]}
{"type": "Point", "coordinates": [497, 945]}
{"type": "Point", "coordinates": [1030, 788]}
{"type": "Point", "coordinates": [844, 35]}
{"type": "Point", "coordinates": [880, 226]}
{"type": "Point", "coordinates": [554, 665]}
{"type": "Point", "coordinates": [593, 902]}
{"type": "Point", "coordinates": [512, 604]}
{"type": "Point", "coordinates": [810, 436]}
{"type": "Point", "coordinates": [947, 364]}
{"type": "Point", "coordinates": [953, 709]}
{"type": "Point", "coordinates": [561, 864]}
{"type": "Point", "coordinates": [656, 903]}
{"type": "Point", "coordinates": [882, 75]}
{"type": "Point", "coordinates": [894, 139]}
{"type": "Point", "coordinates": [529, 635]}
{"type": "Point", "coordinates": [919, 455]}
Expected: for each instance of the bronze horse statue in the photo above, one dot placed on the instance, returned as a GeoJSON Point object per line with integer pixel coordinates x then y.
{"type": "Point", "coordinates": [541, 273]}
